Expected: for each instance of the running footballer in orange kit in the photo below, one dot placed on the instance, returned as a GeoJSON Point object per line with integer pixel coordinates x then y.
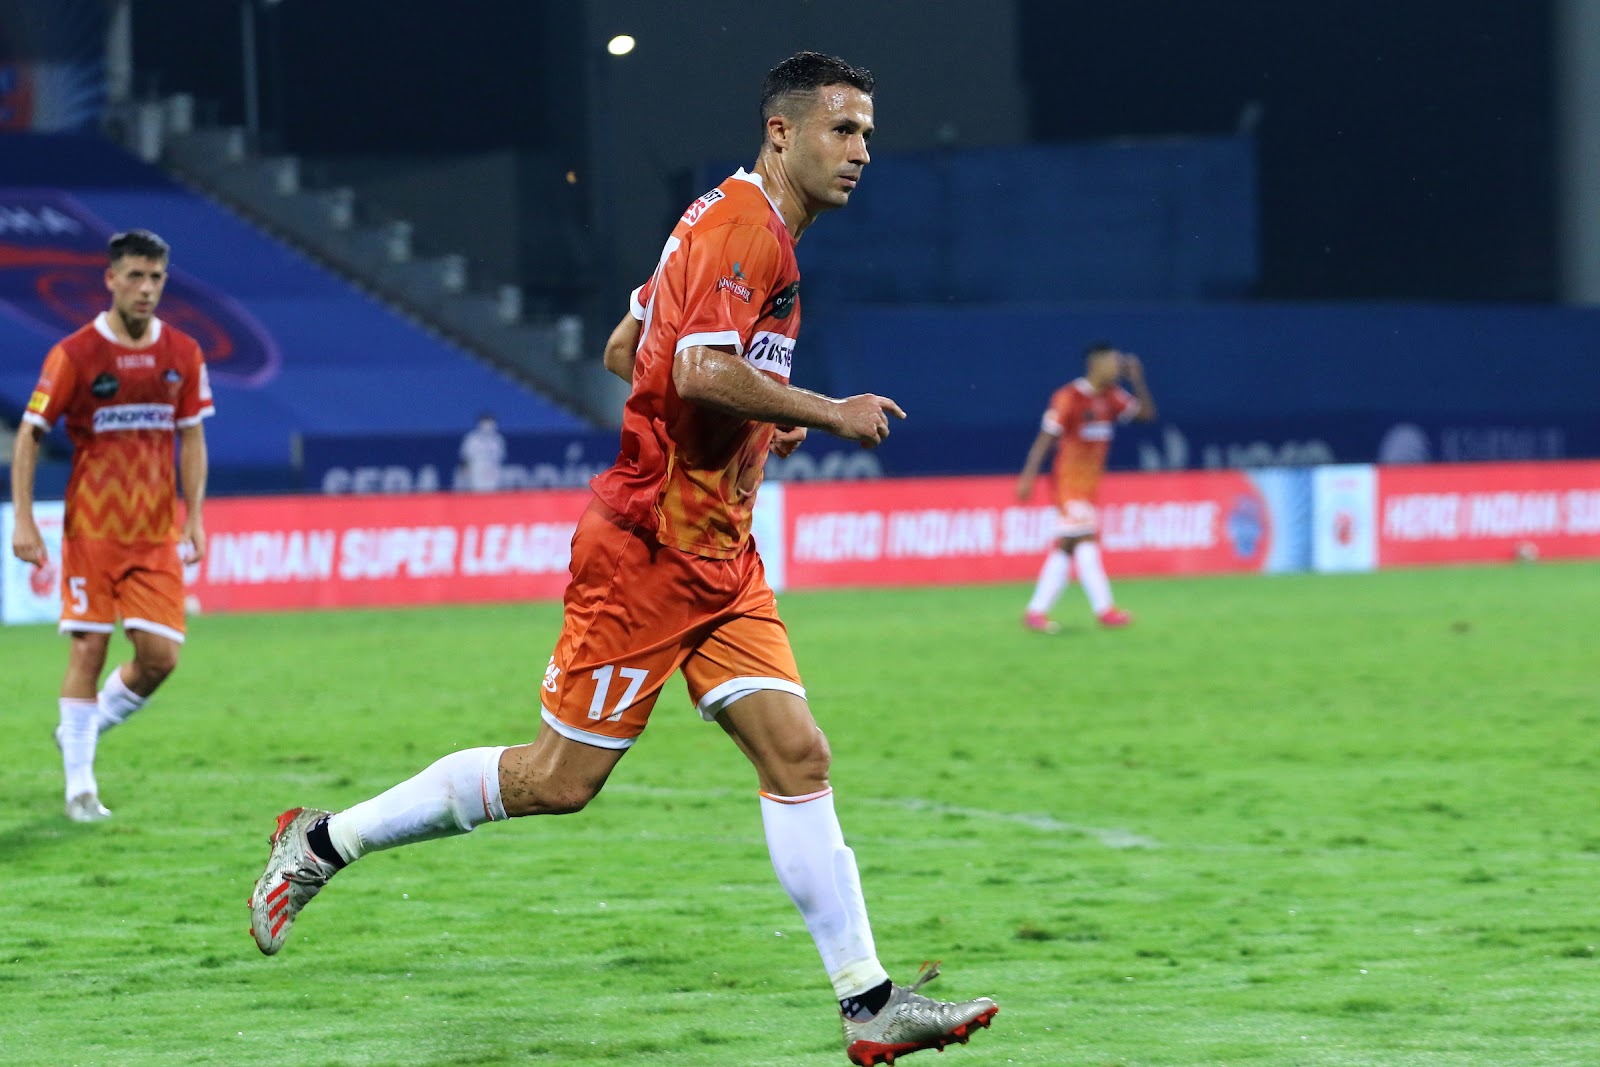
{"type": "Point", "coordinates": [1079, 424]}
{"type": "Point", "coordinates": [125, 383]}
{"type": "Point", "coordinates": [666, 578]}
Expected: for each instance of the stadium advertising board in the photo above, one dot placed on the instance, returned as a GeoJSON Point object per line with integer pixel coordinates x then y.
{"type": "Point", "coordinates": [29, 593]}
{"type": "Point", "coordinates": [939, 531]}
{"type": "Point", "coordinates": [1450, 514]}
{"type": "Point", "coordinates": [330, 552]}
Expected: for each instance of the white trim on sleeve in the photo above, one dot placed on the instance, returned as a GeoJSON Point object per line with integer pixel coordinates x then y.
{"type": "Point", "coordinates": [635, 308]}
{"type": "Point", "coordinates": [724, 337]}
{"type": "Point", "coordinates": [154, 628]}
{"type": "Point", "coordinates": [584, 737]}
{"type": "Point", "coordinates": [195, 420]}
{"type": "Point", "coordinates": [715, 702]}
{"type": "Point", "coordinates": [33, 419]}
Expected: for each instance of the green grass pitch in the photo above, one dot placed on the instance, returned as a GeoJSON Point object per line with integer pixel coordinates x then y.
{"type": "Point", "coordinates": [1299, 822]}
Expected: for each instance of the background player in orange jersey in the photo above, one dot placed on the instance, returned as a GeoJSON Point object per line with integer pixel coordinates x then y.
{"type": "Point", "coordinates": [1080, 423]}
{"type": "Point", "coordinates": [666, 578]}
{"type": "Point", "coordinates": [124, 383]}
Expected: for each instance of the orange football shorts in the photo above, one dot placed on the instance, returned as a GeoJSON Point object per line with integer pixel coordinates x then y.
{"type": "Point", "coordinates": [636, 611]}
{"type": "Point", "coordinates": [102, 581]}
{"type": "Point", "coordinates": [1078, 518]}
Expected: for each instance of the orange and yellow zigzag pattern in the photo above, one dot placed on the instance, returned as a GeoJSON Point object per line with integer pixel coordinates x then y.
{"type": "Point", "coordinates": [123, 489]}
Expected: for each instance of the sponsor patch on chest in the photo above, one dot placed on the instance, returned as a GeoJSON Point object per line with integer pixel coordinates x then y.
{"type": "Point", "coordinates": [115, 418]}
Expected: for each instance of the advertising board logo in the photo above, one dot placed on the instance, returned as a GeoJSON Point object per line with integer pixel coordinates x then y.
{"type": "Point", "coordinates": [1247, 523]}
{"type": "Point", "coordinates": [52, 277]}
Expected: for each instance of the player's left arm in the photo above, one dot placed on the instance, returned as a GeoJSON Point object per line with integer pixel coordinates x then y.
{"type": "Point", "coordinates": [1133, 370]}
{"type": "Point", "coordinates": [193, 463]}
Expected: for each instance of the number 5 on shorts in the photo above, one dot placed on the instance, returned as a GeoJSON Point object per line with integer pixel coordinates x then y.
{"type": "Point", "coordinates": [602, 683]}
{"type": "Point", "coordinates": [80, 595]}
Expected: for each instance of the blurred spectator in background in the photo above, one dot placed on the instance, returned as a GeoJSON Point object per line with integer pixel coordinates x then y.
{"type": "Point", "coordinates": [483, 452]}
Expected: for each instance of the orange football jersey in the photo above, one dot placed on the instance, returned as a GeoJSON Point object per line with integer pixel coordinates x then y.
{"type": "Point", "coordinates": [121, 406]}
{"type": "Point", "coordinates": [1082, 421]}
{"type": "Point", "coordinates": [727, 276]}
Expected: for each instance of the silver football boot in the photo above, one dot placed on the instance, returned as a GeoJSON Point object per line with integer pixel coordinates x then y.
{"type": "Point", "coordinates": [911, 1021]}
{"type": "Point", "coordinates": [86, 807]}
{"type": "Point", "coordinates": [293, 876]}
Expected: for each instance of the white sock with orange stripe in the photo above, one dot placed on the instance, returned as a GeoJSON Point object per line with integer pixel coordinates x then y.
{"type": "Point", "coordinates": [818, 871]}
{"type": "Point", "coordinates": [450, 797]}
{"type": "Point", "coordinates": [77, 735]}
{"type": "Point", "coordinates": [117, 702]}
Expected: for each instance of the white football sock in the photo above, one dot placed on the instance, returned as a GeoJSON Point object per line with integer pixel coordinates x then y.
{"type": "Point", "coordinates": [819, 873]}
{"type": "Point", "coordinates": [1092, 573]}
{"type": "Point", "coordinates": [117, 701]}
{"type": "Point", "coordinates": [77, 734]}
{"type": "Point", "coordinates": [1053, 577]}
{"type": "Point", "coordinates": [450, 797]}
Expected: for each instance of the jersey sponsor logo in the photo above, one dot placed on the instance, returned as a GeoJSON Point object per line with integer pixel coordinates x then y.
{"type": "Point", "coordinates": [38, 401]}
{"type": "Point", "coordinates": [135, 360]}
{"type": "Point", "coordinates": [782, 305]}
{"type": "Point", "coordinates": [1095, 431]}
{"type": "Point", "coordinates": [699, 207]}
{"type": "Point", "coordinates": [205, 384]}
{"type": "Point", "coordinates": [734, 287]}
{"type": "Point", "coordinates": [771, 352]}
{"type": "Point", "coordinates": [120, 417]}
{"type": "Point", "coordinates": [105, 386]}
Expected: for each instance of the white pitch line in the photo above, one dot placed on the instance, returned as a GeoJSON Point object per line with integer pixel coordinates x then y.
{"type": "Point", "coordinates": [1111, 838]}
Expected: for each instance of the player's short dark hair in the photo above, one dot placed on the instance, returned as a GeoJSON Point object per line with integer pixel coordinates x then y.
{"type": "Point", "coordinates": [803, 74]}
{"type": "Point", "coordinates": [1094, 348]}
{"type": "Point", "coordinates": [137, 243]}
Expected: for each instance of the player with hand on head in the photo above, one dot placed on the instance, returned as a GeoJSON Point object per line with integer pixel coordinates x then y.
{"type": "Point", "coordinates": [665, 577]}
{"type": "Point", "coordinates": [1079, 424]}
{"type": "Point", "coordinates": [125, 383]}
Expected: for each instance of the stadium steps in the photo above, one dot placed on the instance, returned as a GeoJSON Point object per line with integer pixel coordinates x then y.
{"type": "Point", "coordinates": [434, 292]}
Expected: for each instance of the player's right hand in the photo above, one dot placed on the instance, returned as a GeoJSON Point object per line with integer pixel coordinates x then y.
{"type": "Point", "coordinates": [26, 543]}
{"type": "Point", "coordinates": [865, 418]}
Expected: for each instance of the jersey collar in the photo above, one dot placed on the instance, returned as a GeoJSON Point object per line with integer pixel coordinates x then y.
{"type": "Point", "coordinates": [755, 179]}
{"type": "Point", "coordinates": [102, 325]}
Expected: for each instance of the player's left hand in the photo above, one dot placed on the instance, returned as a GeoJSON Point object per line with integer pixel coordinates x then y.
{"type": "Point", "coordinates": [192, 546]}
{"type": "Point", "coordinates": [1131, 366]}
{"type": "Point", "coordinates": [787, 439]}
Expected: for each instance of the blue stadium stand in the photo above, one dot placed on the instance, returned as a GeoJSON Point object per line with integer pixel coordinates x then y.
{"type": "Point", "coordinates": [292, 349]}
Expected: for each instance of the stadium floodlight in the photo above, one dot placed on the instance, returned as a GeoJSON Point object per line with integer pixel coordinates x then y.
{"type": "Point", "coordinates": [620, 45]}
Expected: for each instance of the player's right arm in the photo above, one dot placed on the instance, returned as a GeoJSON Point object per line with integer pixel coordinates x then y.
{"type": "Point", "coordinates": [1030, 469]}
{"type": "Point", "coordinates": [716, 377]}
{"type": "Point", "coordinates": [54, 391]}
{"type": "Point", "coordinates": [26, 542]}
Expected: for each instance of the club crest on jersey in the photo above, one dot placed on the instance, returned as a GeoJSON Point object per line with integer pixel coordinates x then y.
{"type": "Point", "coordinates": [781, 306]}
{"type": "Point", "coordinates": [172, 378]}
{"type": "Point", "coordinates": [104, 386]}
{"type": "Point", "coordinates": [698, 208]}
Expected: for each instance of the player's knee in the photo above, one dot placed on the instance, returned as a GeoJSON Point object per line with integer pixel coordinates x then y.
{"type": "Point", "coordinates": [806, 758]}
{"type": "Point", "coordinates": [155, 664]}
